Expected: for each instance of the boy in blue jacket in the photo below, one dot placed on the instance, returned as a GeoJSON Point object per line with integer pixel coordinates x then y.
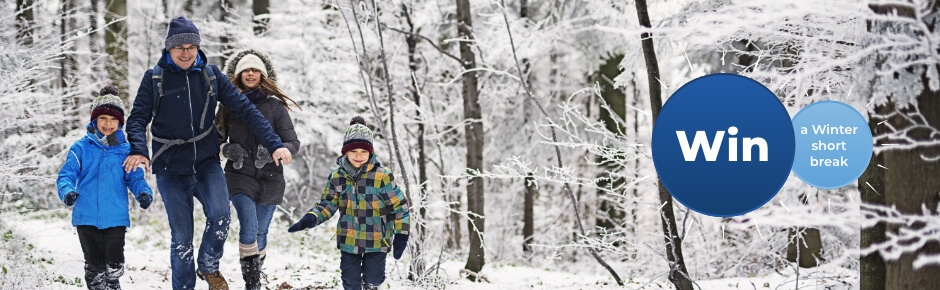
{"type": "Point", "coordinates": [93, 180]}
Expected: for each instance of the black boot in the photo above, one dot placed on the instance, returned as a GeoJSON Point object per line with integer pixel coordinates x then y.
{"type": "Point", "coordinates": [251, 272]}
{"type": "Point", "coordinates": [113, 278]}
{"type": "Point", "coordinates": [264, 277]}
{"type": "Point", "coordinates": [96, 277]}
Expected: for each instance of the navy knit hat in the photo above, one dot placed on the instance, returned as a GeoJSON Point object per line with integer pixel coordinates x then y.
{"type": "Point", "coordinates": [181, 31]}
{"type": "Point", "coordinates": [358, 136]}
{"type": "Point", "coordinates": [108, 103]}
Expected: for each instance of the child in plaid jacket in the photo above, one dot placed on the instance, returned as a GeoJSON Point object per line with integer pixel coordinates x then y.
{"type": "Point", "coordinates": [373, 211]}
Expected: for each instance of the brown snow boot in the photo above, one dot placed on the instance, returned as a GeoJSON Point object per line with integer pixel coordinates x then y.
{"type": "Point", "coordinates": [215, 280]}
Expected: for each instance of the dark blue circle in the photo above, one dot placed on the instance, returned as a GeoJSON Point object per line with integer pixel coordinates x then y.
{"type": "Point", "coordinates": [713, 103]}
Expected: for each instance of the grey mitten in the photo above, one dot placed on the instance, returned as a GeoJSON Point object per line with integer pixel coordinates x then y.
{"type": "Point", "coordinates": [262, 157]}
{"type": "Point", "coordinates": [236, 153]}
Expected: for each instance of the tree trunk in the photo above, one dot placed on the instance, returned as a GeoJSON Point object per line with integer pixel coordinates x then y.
{"type": "Point", "coordinates": [67, 62]}
{"type": "Point", "coordinates": [226, 7]}
{"type": "Point", "coordinates": [187, 8]}
{"type": "Point", "coordinates": [528, 217]}
{"type": "Point", "coordinates": [678, 274]}
{"type": "Point", "coordinates": [452, 197]}
{"type": "Point", "coordinates": [610, 216]}
{"type": "Point", "coordinates": [872, 189]}
{"type": "Point", "coordinates": [115, 39]}
{"type": "Point", "coordinates": [453, 225]}
{"type": "Point", "coordinates": [258, 8]}
{"type": "Point", "coordinates": [746, 60]}
{"type": "Point", "coordinates": [911, 185]}
{"type": "Point", "coordinates": [528, 227]}
{"type": "Point", "coordinates": [24, 28]}
{"type": "Point", "coordinates": [474, 138]}
{"type": "Point", "coordinates": [417, 266]}
{"type": "Point", "coordinates": [24, 22]}
{"type": "Point", "coordinates": [805, 247]}
{"type": "Point", "coordinates": [910, 182]}
{"type": "Point", "coordinates": [805, 244]}
{"type": "Point", "coordinates": [93, 26]}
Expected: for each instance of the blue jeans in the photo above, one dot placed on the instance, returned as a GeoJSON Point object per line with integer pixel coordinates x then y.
{"type": "Point", "coordinates": [207, 186]}
{"type": "Point", "coordinates": [359, 269]}
{"type": "Point", "coordinates": [254, 219]}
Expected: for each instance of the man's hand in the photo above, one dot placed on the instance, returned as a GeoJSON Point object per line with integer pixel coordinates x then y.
{"type": "Point", "coordinates": [281, 156]}
{"type": "Point", "coordinates": [133, 161]}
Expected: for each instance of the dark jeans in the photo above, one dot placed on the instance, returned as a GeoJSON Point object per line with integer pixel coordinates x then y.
{"type": "Point", "coordinates": [254, 219]}
{"type": "Point", "coordinates": [359, 269]}
{"type": "Point", "coordinates": [178, 191]}
{"type": "Point", "coordinates": [104, 256]}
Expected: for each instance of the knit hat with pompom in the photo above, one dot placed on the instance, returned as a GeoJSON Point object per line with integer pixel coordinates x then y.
{"type": "Point", "coordinates": [358, 136]}
{"type": "Point", "coordinates": [108, 103]}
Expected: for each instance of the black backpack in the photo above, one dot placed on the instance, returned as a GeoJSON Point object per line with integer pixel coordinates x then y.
{"type": "Point", "coordinates": [208, 74]}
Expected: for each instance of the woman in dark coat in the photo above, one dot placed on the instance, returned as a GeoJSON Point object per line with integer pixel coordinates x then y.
{"type": "Point", "coordinates": [255, 184]}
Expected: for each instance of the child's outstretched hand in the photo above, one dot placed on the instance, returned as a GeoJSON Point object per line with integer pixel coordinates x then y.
{"type": "Point", "coordinates": [144, 199]}
{"type": "Point", "coordinates": [70, 198]}
{"type": "Point", "coordinates": [400, 242]}
{"type": "Point", "coordinates": [306, 222]}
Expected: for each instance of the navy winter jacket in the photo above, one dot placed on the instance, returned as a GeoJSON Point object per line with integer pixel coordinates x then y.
{"type": "Point", "coordinates": [95, 172]}
{"type": "Point", "coordinates": [178, 117]}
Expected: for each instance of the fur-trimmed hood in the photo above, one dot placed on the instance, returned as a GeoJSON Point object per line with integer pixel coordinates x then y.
{"type": "Point", "coordinates": [232, 62]}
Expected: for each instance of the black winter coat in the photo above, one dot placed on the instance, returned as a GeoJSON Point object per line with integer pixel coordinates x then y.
{"type": "Point", "coordinates": [265, 185]}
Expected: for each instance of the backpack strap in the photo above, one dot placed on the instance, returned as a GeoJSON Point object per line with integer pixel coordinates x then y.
{"type": "Point", "coordinates": [157, 83]}
{"type": "Point", "coordinates": [208, 74]}
{"type": "Point", "coordinates": [167, 143]}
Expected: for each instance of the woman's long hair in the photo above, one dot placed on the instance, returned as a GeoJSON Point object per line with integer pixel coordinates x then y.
{"type": "Point", "coordinates": [267, 87]}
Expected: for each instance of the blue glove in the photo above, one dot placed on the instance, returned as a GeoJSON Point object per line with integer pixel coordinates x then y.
{"type": "Point", "coordinates": [70, 198]}
{"type": "Point", "coordinates": [400, 242]}
{"type": "Point", "coordinates": [144, 199]}
{"type": "Point", "coordinates": [306, 222]}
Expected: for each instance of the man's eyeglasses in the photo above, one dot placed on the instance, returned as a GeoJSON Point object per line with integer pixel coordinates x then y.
{"type": "Point", "coordinates": [182, 49]}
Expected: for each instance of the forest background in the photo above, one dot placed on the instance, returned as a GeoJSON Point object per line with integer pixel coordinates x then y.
{"type": "Point", "coordinates": [520, 131]}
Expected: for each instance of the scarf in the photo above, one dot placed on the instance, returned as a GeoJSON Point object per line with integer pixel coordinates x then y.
{"type": "Point", "coordinates": [352, 171]}
{"type": "Point", "coordinates": [256, 96]}
{"type": "Point", "coordinates": [109, 140]}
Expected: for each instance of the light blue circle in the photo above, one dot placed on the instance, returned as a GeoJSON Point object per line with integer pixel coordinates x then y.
{"type": "Point", "coordinates": [725, 103]}
{"type": "Point", "coordinates": [847, 141]}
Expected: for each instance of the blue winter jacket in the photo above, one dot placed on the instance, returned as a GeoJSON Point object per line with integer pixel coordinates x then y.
{"type": "Point", "coordinates": [94, 171]}
{"type": "Point", "coordinates": [178, 117]}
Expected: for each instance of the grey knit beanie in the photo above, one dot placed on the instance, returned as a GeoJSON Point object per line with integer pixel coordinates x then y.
{"type": "Point", "coordinates": [181, 31]}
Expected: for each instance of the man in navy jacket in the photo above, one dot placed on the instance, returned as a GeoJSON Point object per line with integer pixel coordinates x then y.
{"type": "Point", "coordinates": [186, 149]}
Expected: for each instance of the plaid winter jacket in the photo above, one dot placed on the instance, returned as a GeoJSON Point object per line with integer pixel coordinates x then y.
{"type": "Point", "coordinates": [372, 208]}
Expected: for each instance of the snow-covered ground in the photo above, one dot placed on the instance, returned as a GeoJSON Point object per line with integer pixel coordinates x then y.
{"type": "Point", "coordinates": [41, 250]}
